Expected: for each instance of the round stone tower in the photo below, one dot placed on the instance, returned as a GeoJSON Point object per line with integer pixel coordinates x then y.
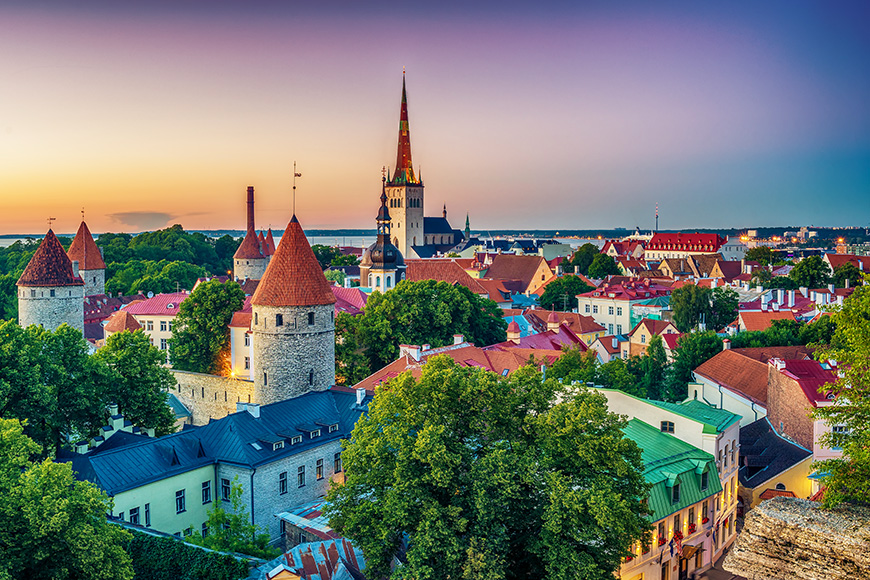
{"type": "Point", "coordinates": [92, 268]}
{"type": "Point", "coordinates": [249, 260]}
{"type": "Point", "coordinates": [50, 291]}
{"type": "Point", "coordinates": [293, 324]}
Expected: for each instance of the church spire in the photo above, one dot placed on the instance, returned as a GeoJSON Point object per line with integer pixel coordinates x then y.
{"type": "Point", "coordinates": [404, 172]}
{"type": "Point", "coordinates": [384, 219]}
{"type": "Point", "coordinates": [467, 228]}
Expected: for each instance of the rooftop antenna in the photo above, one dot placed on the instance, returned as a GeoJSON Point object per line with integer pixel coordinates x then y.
{"type": "Point", "coordinates": [295, 175]}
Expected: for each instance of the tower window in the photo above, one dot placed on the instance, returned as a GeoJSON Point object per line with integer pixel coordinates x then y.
{"type": "Point", "coordinates": [310, 378]}
{"type": "Point", "coordinates": [265, 378]}
{"type": "Point", "coordinates": [51, 293]}
{"type": "Point", "coordinates": [279, 320]}
{"type": "Point", "coordinates": [310, 319]}
{"type": "Point", "coordinates": [255, 319]}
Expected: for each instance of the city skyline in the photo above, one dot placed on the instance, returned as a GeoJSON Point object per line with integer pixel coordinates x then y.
{"type": "Point", "coordinates": [552, 117]}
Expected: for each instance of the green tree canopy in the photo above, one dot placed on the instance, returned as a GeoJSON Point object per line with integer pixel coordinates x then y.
{"type": "Point", "coordinates": [848, 478]}
{"type": "Point", "coordinates": [723, 308]}
{"type": "Point", "coordinates": [325, 255]}
{"type": "Point", "coordinates": [811, 272]}
{"type": "Point", "coordinates": [560, 294]}
{"type": "Point", "coordinates": [651, 370]}
{"type": "Point", "coordinates": [487, 478]}
{"type": "Point", "coordinates": [761, 254]}
{"type": "Point", "coordinates": [139, 383]}
{"type": "Point", "coordinates": [603, 266]}
{"type": "Point", "coordinates": [201, 336]}
{"type": "Point", "coordinates": [693, 350]}
{"type": "Point", "coordinates": [424, 312]}
{"type": "Point", "coordinates": [691, 305]}
{"type": "Point", "coordinates": [582, 259]}
{"type": "Point", "coordinates": [52, 526]}
{"type": "Point", "coordinates": [577, 366]}
{"type": "Point", "coordinates": [847, 272]}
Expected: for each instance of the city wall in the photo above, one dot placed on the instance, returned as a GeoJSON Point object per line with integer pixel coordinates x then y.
{"type": "Point", "coordinates": [209, 396]}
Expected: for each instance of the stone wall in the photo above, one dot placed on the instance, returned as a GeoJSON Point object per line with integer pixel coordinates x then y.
{"type": "Point", "coordinates": [249, 268]}
{"type": "Point", "coordinates": [794, 539]}
{"type": "Point", "coordinates": [787, 405]}
{"type": "Point", "coordinates": [210, 396]}
{"type": "Point", "coordinates": [50, 307]}
{"type": "Point", "coordinates": [95, 281]}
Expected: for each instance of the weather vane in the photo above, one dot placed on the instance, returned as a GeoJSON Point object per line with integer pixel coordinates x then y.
{"type": "Point", "coordinates": [50, 219]}
{"type": "Point", "coordinates": [295, 175]}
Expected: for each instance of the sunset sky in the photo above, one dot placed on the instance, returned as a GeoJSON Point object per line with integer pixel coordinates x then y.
{"type": "Point", "coordinates": [523, 114]}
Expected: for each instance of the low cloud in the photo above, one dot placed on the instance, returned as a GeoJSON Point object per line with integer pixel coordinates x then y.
{"type": "Point", "coordinates": [142, 220]}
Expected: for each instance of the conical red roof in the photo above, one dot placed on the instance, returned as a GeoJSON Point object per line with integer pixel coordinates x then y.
{"type": "Point", "coordinates": [85, 250]}
{"type": "Point", "coordinates": [294, 276]}
{"type": "Point", "coordinates": [250, 248]}
{"type": "Point", "coordinates": [49, 266]}
{"type": "Point", "coordinates": [271, 241]}
{"type": "Point", "coordinates": [261, 239]}
{"type": "Point", "coordinates": [404, 172]}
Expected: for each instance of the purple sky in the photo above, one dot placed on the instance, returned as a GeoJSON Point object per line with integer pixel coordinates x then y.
{"type": "Point", "coordinates": [524, 115]}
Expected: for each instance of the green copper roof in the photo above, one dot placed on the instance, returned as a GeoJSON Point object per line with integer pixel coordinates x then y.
{"type": "Point", "coordinates": [668, 461]}
{"type": "Point", "coordinates": [714, 420]}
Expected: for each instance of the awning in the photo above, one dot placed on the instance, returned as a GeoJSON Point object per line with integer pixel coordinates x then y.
{"type": "Point", "coordinates": [690, 551]}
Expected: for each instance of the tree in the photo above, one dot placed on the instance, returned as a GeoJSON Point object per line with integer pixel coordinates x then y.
{"type": "Point", "coordinates": [487, 478]}
{"type": "Point", "coordinates": [52, 526]}
{"type": "Point", "coordinates": [325, 255]}
{"type": "Point", "coordinates": [577, 366]}
{"type": "Point", "coordinates": [783, 282]}
{"type": "Point", "coordinates": [201, 337]}
{"type": "Point", "coordinates": [603, 266]}
{"type": "Point", "coordinates": [139, 382]}
{"type": "Point", "coordinates": [846, 272]}
{"type": "Point", "coordinates": [560, 293]}
{"type": "Point", "coordinates": [723, 308]}
{"type": "Point", "coordinates": [351, 363]}
{"type": "Point", "coordinates": [424, 312]}
{"type": "Point", "coordinates": [8, 297]}
{"type": "Point", "coordinates": [811, 272]}
{"type": "Point", "coordinates": [582, 259]}
{"type": "Point", "coordinates": [650, 370]}
{"type": "Point", "coordinates": [693, 350]}
{"type": "Point", "coordinates": [691, 306]}
{"type": "Point", "coordinates": [336, 276]}
{"type": "Point", "coordinates": [761, 254]}
{"type": "Point", "coordinates": [847, 479]}
{"type": "Point", "coordinates": [232, 531]}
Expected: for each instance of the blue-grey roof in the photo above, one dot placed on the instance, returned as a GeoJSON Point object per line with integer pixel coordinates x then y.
{"type": "Point", "coordinates": [227, 440]}
{"type": "Point", "coordinates": [764, 454]}
{"type": "Point", "coordinates": [437, 225]}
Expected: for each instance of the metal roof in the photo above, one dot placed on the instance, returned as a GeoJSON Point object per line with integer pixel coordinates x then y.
{"type": "Point", "coordinates": [714, 420]}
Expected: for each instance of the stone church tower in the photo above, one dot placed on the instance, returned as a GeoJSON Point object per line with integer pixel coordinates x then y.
{"type": "Point", "coordinates": [50, 291]}
{"type": "Point", "coordinates": [92, 268]}
{"type": "Point", "coordinates": [293, 323]}
{"type": "Point", "coordinates": [250, 260]}
{"type": "Point", "coordinates": [405, 190]}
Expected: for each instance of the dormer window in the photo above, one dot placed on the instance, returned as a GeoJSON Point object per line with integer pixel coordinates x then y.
{"type": "Point", "coordinates": [296, 439]}
{"type": "Point", "coordinates": [277, 445]}
{"type": "Point", "coordinates": [705, 480]}
{"type": "Point", "coordinates": [667, 426]}
{"type": "Point", "coordinates": [315, 433]}
{"type": "Point", "coordinates": [675, 493]}
{"type": "Point", "coordinates": [332, 428]}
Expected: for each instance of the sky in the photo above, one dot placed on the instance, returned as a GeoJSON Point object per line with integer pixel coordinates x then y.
{"type": "Point", "coordinates": [527, 115]}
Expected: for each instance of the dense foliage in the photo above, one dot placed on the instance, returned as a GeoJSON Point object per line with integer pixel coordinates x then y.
{"type": "Point", "coordinates": [582, 259]}
{"type": "Point", "coordinates": [159, 558]}
{"type": "Point", "coordinates": [811, 272]}
{"type": "Point", "coordinates": [787, 333]}
{"type": "Point", "coordinates": [848, 479]}
{"type": "Point", "coordinates": [172, 244]}
{"type": "Point", "coordinates": [560, 294]}
{"type": "Point", "coordinates": [424, 312]}
{"type": "Point", "coordinates": [603, 266]}
{"type": "Point", "coordinates": [487, 478]}
{"type": "Point", "coordinates": [201, 337]}
{"type": "Point", "coordinates": [52, 526]}
{"type": "Point", "coordinates": [761, 254]}
{"type": "Point", "coordinates": [149, 276]}
{"type": "Point", "coordinates": [583, 367]}
{"type": "Point", "coordinates": [694, 305]}
{"type": "Point", "coordinates": [48, 380]}
{"type": "Point", "coordinates": [331, 256]}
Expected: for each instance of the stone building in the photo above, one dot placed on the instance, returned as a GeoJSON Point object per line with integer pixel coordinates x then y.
{"type": "Point", "coordinates": [293, 326]}
{"type": "Point", "coordinates": [50, 290]}
{"type": "Point", "coordinates": [382, 265]}
{"type": "Point", "coordinates": [251, 259]}
{"type": "Point", "coordinates": [92, 268]}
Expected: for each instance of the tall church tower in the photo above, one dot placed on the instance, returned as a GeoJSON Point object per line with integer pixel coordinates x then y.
{"type": "Point", "coordinates": [293, 323]}
{"type": "Point", "coordinates": [405, 190]}
{"type": "Point", "coordinates": [91, 265]}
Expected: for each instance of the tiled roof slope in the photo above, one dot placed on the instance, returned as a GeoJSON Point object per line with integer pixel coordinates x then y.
{"type": "Point", "coordinates": [667, 459]}
{"type": "Point", "coordinates": [695, 242]}
{"type": "Point", "coordinates": [159, 305]}
{"type": "Point", "coordinates": [811, 376]}
{"type": "Point", "coordinates": [739, 373]}
{"type": "Point", "coordinates": [756, 321]}
{"type": "Point", "coordinates": [85, 250]}
{"type": "Point", "coordinates": [578, 323]}
{"type": "Point", "coordinates": [294, 276]}
{"type": "Point", "coordinates": [120, 321]}
{"type": "Point", "coordinates": [511, 267]}
{"type": "Point", "coordinates": [250, 247]}
{"type": "Point", "coordinates": [49, 266]}
{"type": "Point", "coordinates": [764, 454]}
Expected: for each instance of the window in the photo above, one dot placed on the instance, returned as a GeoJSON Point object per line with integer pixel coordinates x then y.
{"type": "Point", "coordinates": [277, 445]}
{"type": "Point", "coordinates": [667, 427]}
{"type": "Point", "coordinates": [33, 293]}
{"type": "Point", "coordinates": [610, 310]}
{"type": "Point", "coordinates": [595, 309]}
{"type": "Point", "coordinates": [725, 456]}
{"type": "Point", "coordinates": [282, 482]}
{"type": "Point", "coordinates": [675, 493]}
{"type": "Point", "coordinates": [310, 378]}
{"type": "Point", "coordinates": [247, 362]}
{"type": "Point", "coordinates": [643, 339]}
{"type": "Point", "coordinates": [311, 314]}
{"type": "Point", "coordinates": [225, 489]}
{"type": "Point", "coordinates": [610, 329]}
{"type": "Point", "coordinates": [296, 439]}
{"type": "Point", "coordinates": [619, 310]}
{"type": "Point", "coordinates": [147, 514]}
{"type": "Point", "coordinates": [206, 492]}
{"type": "Point", "coordinates": [51, 293]}
{"type": "Point", "coordinates": [318, 470]}
{"type": "Point", "coordinates": [134, 515]}
{"type": "Point", "coordinates": [163, 344]}
{"type": "Point", "coordinates": [188, 531]}
{"type": "Point", "coordinates": [256, 319]}
{"type": "Point", "coordinates": [587, 309]}
{"type": "Point", "coordinates": [170, 326]}
{"type": "Point", "coordinates": [121, 516]}
{"type": "Point", "coordinates": [204, 530]}
{"type": "Point", "coordinates": [265, 379]}
{"type": "Point", "coordinates": [336, 465]}
{"type": "Point", "coordinates": [150, 325]}
{"type": "Point", "coordinates": [704, 513]}
{"type": "Point", "coordinates": [179, 501]}
{"type": "Point", "coordinates": [678, 525]}
{"type": "Point", "coordinates": [247, 339]}
{"type": "Point", "coordinates": [279, 320]}
{"type": "Point", "coordinates": [315, 433]}
{"type": "Point", "coordinates": [618, 329]}
{"type": "Point", "coordinates": [705, 480]}
{"type": "Point", "coordinates": [300, 476]}
{"type": "Point", "coordinates": [662, 532]}
{"type": "Point", "coordinates": [332, 428]}
{"type": "Point", "coordinates": [691, 516]}
{"type": "Point", "coordinates": [163, 326]}
{"type": "Point", "coordinates": [779, 486]}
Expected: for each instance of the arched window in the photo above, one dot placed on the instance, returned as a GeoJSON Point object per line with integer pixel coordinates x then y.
{"type": "Point", "coordinates": [780, 487]}
{"type": "Point", "coordinates": [389, 282]}
{"type": "Point", "coordinates": [377, 281]}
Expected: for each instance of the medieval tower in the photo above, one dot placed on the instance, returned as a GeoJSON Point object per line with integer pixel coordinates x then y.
{"type": "Point", "coordinates": [293, 323]}
{"type": "Point", "coordinates": [50, 291]}
{"type": "Point", "coordinates": [251, 259]}
{"type": "Point", "coordinates": [92, 268]}
{"type": "Point", "coordinates": [405, 190]}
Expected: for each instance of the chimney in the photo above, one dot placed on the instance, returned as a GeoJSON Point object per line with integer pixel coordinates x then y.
{"type": "Point", "coordinates": [713, 283]}
{"type": "Point", "coordinates": [847, 283]}
{"type": "Point", "coordinates": [513, 332]}
{"type": "Point", "coordinates": [425, 347]}
{"type": "Point", "coordinates": [614, 343]}
{"type": "Point", "coordinates": [726, 344]}
{"type": "Point", "coordinates": [791, 298]}
{"type": "Point", "coordinates": [743, 266]}
{"type": "Point", "coordinates": [840, 300]}
{"type": "Point", "coordinates": [81, 447]}
{"type": "Point", "coordinates": [411, 350]}
{"type": "Point", "coordinates": [252, 408]}
{"type": "Point", "coordinates": [777, 363]}
{"type": "Point", "coordinates": [458, 338]}
{"type": "Point", "coordinates": [805, 291]}
{"type": "Point", "coordinates": [360, 396]}
{"type": "Point", "coordinates": [250, 208]}
{"type": "Point", "coordinates": [75, 268]}
{"type": "Point", "coordinates": [831, 288]}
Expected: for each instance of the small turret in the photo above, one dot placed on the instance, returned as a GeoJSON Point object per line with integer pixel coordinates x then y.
{"type": "Point", "coordinates": [382, 265]}
{"type": "Point", "coordinates": [92, 268]}
{"type": "Point", "coordinates": [249, 261]}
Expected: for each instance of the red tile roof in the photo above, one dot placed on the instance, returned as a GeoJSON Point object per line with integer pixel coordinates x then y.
{"type": "Point", "coordinates": [84, 250]}
{"type": "Point", "coordinates": [652, 325]}
{"type": "Point", "coordinates": [271, 242]}
{"type": "Point", "coordinates": [860, 262]}
{"type": "Point", "coordinates": [512, 267]}
{"type": "Point", "coordinates": [771, 493]}
{"type": "Point", "coordinates": [744, 370]}
{"type": "Point", "coordinates": [811, 376]}
{"type": "Point", "coordinates": [695, 242]}
{"type": "Point", "coordinates": [635, 289]}
{"type": "Point", "coordinates": [293, 277]}
{"type": "Point", "coordinates": [578, 323]}
{"type": "Point", "coordinates": [606, 343]}
{"type": "Point", "coordinates": [120, 321]}
{"type": "Point", "coordinates": [99, 307]}
{"type": "Point", "coordinates": [671, 340]}
{"type": "Point", "coordinates": [755, 321]}
{"type": "Point", "coordinates": [250, 247]}
{"type": "Point", "coordinates": [159, 305]}
{"type": "Point", "coordinates": [49, 266]}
